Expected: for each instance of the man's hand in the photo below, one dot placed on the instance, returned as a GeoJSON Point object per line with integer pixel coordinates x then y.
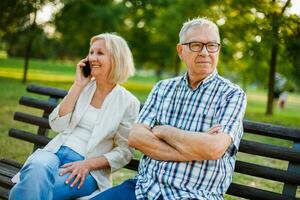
{"type": "Point", "coordinates": [215, 129]}
{"type": "Point", "coordinates": [159, 131]}
{"type": "Point", "coordinates": [142, 138]}
{"type": "Point", "coordinates": [209, 145]}
{"type": "Point", "coordinates": [78, 169]}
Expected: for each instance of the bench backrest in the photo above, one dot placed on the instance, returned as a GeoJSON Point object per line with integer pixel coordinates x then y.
{"type": "Point", "coordinates": [288, 177]}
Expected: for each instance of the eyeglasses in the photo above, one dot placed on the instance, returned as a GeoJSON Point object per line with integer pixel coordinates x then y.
{"type": "Point", "coordinates": [211, 47]}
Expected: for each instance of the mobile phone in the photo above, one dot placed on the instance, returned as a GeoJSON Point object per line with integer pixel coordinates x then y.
{"type": "Point", "coordinates": [86, 70]}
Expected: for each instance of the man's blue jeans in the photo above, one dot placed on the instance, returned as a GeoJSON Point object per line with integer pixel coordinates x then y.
{"type": "Point", "coordinates": [40, 179]}
{"type": "Point", "coordinates": [124, 191]}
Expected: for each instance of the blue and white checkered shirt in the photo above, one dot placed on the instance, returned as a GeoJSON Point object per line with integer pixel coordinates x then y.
{"type": "Point", "coordinates": [172, 102]}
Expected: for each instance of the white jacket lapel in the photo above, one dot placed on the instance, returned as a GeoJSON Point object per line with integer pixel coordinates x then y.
{"type": "Point", "coordinates": [103, 123]}
{"type": "Point", "coordinates": [82, 103]}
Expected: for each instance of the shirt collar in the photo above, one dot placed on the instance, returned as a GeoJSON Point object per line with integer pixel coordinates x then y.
{"type": "Point", "coordinates": [202, 83]}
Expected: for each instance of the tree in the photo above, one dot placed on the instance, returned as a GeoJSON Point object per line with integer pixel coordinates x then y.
{"type": "Point", "coordinates": [293, 47]}
{"type": "Point", "coordinates": [13, 16]}
{"type": "Point", "coordinates": [36, 5]}
{"type": "Point", "coordinates": [276, 22]}
{"type": "Point", "coordinates": [28, 47]}
{"type": "Point", "coordinates": [43, 47]}
{"type": "Point", "coordinates": [150, 27]}
{"type": "Point", "coordinates": [150, 44]}
{"type": "Point", "coordinates": [253, 30]}
{"type": "Point", "coordinates": [20, 16]}
{"type": "Point", "coordinates": [248, 32]}
{"type": "Point", "coordinates": [79, 20]}
{"type": "Point", "coordinates": [161, 22]}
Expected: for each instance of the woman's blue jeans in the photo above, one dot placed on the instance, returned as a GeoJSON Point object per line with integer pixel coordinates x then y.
{"type": "Point", "coordinates": [40, 179]}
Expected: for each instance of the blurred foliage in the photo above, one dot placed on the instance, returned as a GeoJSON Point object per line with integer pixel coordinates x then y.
{"type": "Point", "coordinates": [292, 50]}
{"type": "Point", "coordinates": [23, 36]}
{"type": "Point", "coordinates": [79, 20]}
{"type": "Point", "coordinates": [43, 46]}
{"type": "Point", "coordinates": [16, 18]}
{"type": "Point", "coordinates": [14, 15]}
{"type": "Point", "coordinates": [151, 29]}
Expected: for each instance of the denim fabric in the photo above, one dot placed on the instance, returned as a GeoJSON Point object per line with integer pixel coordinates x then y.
{"type": "Point", "coordinates": [124, 191]}
{"type": "Point", "coordinates": [40, 179]}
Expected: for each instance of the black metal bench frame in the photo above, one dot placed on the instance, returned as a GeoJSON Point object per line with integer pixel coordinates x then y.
{"type": "Point", "coordinates": [290, 177]}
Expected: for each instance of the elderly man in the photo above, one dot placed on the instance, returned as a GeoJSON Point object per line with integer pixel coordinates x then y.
{"type": "Point", "coordinates": [190, 127]}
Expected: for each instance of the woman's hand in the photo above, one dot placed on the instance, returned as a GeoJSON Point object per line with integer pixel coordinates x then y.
{"type": "Point", "coordinates": [78, 169]}
{"type": "Point", "coordinates": [80, 79]}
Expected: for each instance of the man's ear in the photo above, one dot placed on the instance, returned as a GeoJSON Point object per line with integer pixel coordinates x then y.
{"type": "Point", "coordinates": [179, 48]}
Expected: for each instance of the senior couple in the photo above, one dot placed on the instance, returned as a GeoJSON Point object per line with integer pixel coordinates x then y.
{"type": "Point", "coordinates": [189, 129]}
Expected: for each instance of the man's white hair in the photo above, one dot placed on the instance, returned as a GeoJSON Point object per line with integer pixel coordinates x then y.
{"type": "Point", "coordinates": [196, 22]}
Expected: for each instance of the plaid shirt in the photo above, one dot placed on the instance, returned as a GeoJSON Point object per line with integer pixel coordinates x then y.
{"type": "Point", "coordinates": [172, 102]}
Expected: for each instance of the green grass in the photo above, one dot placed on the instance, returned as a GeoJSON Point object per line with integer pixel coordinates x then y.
{"type": "Point", "coordinates": [60, 74]}
{"type": "Point", "coordinates": [289, 116]}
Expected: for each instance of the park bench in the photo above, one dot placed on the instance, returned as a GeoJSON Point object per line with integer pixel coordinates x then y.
{"type": "Point", "coordinates": [288, 178]}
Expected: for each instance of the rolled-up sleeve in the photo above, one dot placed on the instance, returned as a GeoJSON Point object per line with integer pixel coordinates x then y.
{"type": "Point", "coordinates": [57, 123]}
{"type": "Point", "coordinates": [121, 154]}
{"type": "Point", "coordinates": [231, 116]}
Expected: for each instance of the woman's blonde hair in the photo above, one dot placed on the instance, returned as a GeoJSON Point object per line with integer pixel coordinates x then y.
{"type": "Point", "coordinates": [121, 56]}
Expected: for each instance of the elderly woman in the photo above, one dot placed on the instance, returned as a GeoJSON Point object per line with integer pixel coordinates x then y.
{"type": "Point", "coordinates": [93, 122]}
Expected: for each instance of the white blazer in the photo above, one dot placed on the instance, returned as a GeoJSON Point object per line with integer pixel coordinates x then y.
{"type": "Point", "coordinates": [109, 137]}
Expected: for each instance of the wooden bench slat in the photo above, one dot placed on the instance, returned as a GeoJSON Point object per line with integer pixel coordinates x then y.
{"type": "Point", "coordinates": [289, 189]}
{"type": "Point", "coordinates": [276, 131]}
{"type": "Point", "coordinates": [4, 193]}
{"type": "Point", "coordinates": [11, 163]}
{"type": "Point", "coordinates": [267, 172]}
{"type": "Point", "coordinates": [133, 165]}
{"type": "Point", "coordinates": [260, 128]}
{"type": "Point", "coordinates": [251, 169]}
{"type": "Point", "coordinates": [255, 194]}
{"type": "Point", "coordinates": [7, 170]}
{"type": "Point", "coordinates": [37, 103]}
{"type": "Point", "coordinates": [29, 137]}
{"type": "Point", "coordinates": [291, 178]}
{"type": "Point", "coordinates": [271, 151]}
{"type": "Point", "coordinates": [48, 91]}
{"type": "Point", "coordinates": [5, 182]}
{"type": "Point", "coordinates": [31, 119]}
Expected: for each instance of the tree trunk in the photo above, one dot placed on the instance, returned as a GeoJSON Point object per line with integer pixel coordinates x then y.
{"type": "Point", "coordinates": [26, 59]}
{"type": "Point", "coordinates": [274, 51]}
{"type": "Point", "coordinates": [28, 47]}
{"type": "Point", "coordinates": [271, 84]}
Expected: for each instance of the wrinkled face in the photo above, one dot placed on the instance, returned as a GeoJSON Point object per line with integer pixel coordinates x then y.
{"type": "Point", "coordinates": [202, 63]}
{"type": "Point", "coordinates": [99, 59]}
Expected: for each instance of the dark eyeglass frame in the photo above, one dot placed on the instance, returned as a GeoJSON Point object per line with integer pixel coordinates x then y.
{"type": "Point", "coordinates": [203, 44]}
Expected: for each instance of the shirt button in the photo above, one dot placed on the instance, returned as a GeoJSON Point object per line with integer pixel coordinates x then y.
{"type": "Point", "coordinates": [163, 171]}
